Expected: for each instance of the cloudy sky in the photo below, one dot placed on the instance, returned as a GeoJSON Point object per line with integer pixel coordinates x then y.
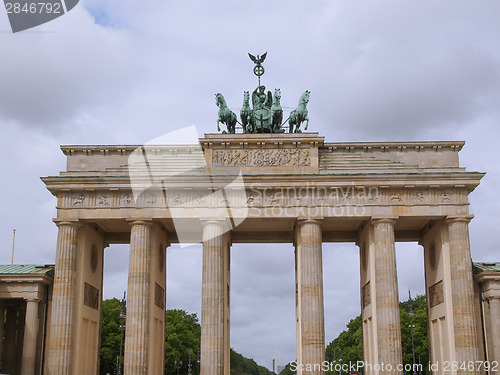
{"type": "Point", "coordinates": [125, 72]}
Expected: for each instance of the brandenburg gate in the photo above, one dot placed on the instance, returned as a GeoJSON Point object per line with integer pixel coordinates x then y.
{"type": "Point", "coordinates": [290, 188]}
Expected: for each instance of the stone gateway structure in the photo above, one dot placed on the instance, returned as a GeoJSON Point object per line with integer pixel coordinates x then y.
{"type": "Point", "coordinates": [240, 188]}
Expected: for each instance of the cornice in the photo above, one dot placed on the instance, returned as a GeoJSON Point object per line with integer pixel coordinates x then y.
{"type": "Point", "coordinates": [396, 146]}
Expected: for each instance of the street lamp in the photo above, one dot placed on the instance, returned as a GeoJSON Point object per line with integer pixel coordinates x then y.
{"type": "Point", "coordinates": [340, 360]}
{"type": "Point", "coordinates": [177, 365]}
{"type": "Point", "coordinates": [198, 361]}
{"type": "Point", "coordinates": [412, 314]}
{"type": "Point", "coordinates": [189, 363]}
{"type": "Point", "coordinates": [123, 315]}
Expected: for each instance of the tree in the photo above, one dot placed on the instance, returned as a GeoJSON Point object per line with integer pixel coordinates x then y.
{"type": "Point", "coordinates": [241, 365]}
{"type": "Point", "coordinates": [110, 335]}
{"type": "Point", "coordinates": [419, 331]}
{"type": "Point", "coordinates": [350, 342]}
{"type": "Point", "coordinates": [182, 339]}
{"type": "Point", "coordinates": [288, 370]}
{"type": "Point", "coordinates": [348, 345]}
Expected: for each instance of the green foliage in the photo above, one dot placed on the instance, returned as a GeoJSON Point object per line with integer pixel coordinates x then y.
{"type": "Point", "coordinates": [350, 342]}
{"type": "Point", "coordinates": [182, 339]}
{"type": "Point", "coordinates": [419, 331]}
{"type": "Point", "coordinates": [110, 335]}
{"type": "Point", "coordinates": [288, 370]}
{"type": "Point", "coordinates": [244, 366]}
{"type": "Point", "coordinates": [348, 345]}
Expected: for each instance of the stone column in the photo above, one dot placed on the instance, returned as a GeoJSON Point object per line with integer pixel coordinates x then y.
{"type": "Point", "coordinates": [138, 300]}
{"type": "Point", "coordinates": [494, 321]}
{"type": "Point", "coordinates": [63, 301]}
{"type": "Point", "coordinates": [462, 292]}
{"type": "Point", "coordinates": [9, 350]}
{"type": "Point", "coordinates": [310, 308]}
{"type": "Point", "coordinates": [212, 300]}
{"type": "Point", "coordinates": [30, 338]}
{"type": "Point", "coordinates": [2, 317]}
{"type": "Point", "coordinates": [387, 297]}
{"type": "Point", "coordinates": [21, 319]}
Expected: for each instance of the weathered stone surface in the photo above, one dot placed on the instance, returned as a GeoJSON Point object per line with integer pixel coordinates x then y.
{"type": "Point", "coordinates": [462, 293]}
{"type": "Point", "coordinates": [63, 301]}
{"type": "Point", "coordinates": [138, 300]}
{"type": "Point", "coordinates": [266, 188]}
{"type": "Point", "coordinates": [310, 307]}
{"type": "Point", "coordinates": [30, 338]}
{"type": "Point", "coordinates": [213, 311]}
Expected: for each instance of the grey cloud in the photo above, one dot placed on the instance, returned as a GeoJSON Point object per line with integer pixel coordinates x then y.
{"type": "Point", "coordinates": [51, 77]}
{"type": "Point", "coordinates": [380, 71]}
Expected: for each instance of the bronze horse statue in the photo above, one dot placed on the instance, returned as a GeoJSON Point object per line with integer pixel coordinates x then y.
{"type": "Point", "coordinates": [226, 116]}
{"type": "Point", "coordinates": [276, 112]}
{"type": "Point", "coordinates": [299, 115]}
{"type": "Point", "coordinates": [246, 115]}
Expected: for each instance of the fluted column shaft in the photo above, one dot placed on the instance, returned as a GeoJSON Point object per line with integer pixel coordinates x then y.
{"type": "Point", "coordinates": [212, 300]}
{"type": "Point", "coordinates": [387, 297]}
{"type": "Point", "coordinates": [462, 292]}
{"type": "Point", "coordinates": [63, 300]}
{"type": "Point", "coordinates": [494, 320]}
{"type": "Point", "coordinates": [138, 300]}
{"type": "Point", "coordinates": [310, 297]}
{"type": "Point", "coordinates": [30, 338]}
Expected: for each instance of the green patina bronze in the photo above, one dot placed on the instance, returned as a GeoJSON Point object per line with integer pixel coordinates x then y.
{"type": "Point", "coordinates": [266, 113]}
{"type": "Point", "coordinates": [226, 116]}
{"type": "Point", "coordinates": [299, 115]}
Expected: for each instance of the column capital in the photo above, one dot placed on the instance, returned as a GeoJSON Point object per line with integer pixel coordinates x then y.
{"type": "Point", "coordinates": [71, 223]}
{"type": "Point", "coordinates": [146, 222]}
{"type": "Point", "coordinates": [32, 299]}
{"type": "Point", "coordinates": [317, 221]}
{"type": "Point", "coordinates": [458, 219]}
{"type": "Point", "coordinates": [384, 220]}
{"type": "Point", "coordinates": [221, 222]}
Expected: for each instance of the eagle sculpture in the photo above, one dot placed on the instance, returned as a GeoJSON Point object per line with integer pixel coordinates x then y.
{"type": "Point", "coordinates": [259, 59]}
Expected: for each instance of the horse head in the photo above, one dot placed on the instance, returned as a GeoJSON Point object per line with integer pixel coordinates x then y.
{"type": "Point", "coordinates": [277, 95]}
{"type": "Point", "coordinates": [304, 98]}
{"type": "Point", "coordinates": [246, 97]}
{"type": "Point", "coordinates": [219, 100]}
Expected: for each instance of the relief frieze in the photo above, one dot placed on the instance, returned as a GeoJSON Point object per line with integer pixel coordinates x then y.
{"type": "Point", "coordinates": [127, 199]}
{"type": "Point", "coordinates": [79, 199]}
{"type": "Point", "coordinates": [332, 196]}
{"type": "Point", "coordinates": [436, 295]}
{"type": "Point", "coordinates": [103, 200]}
{"type": "Point", "coordinates": [262, 157]}
{"type": "Point", "coordinates": [419, 197]}
{"type": "Point", "coordinates": [366, 295]}
{"type": "Point", "coordinates": [91, 296]}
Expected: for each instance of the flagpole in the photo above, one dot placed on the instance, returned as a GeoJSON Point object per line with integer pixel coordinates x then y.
{"type": "Point", "coordinates": [13, 245]}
